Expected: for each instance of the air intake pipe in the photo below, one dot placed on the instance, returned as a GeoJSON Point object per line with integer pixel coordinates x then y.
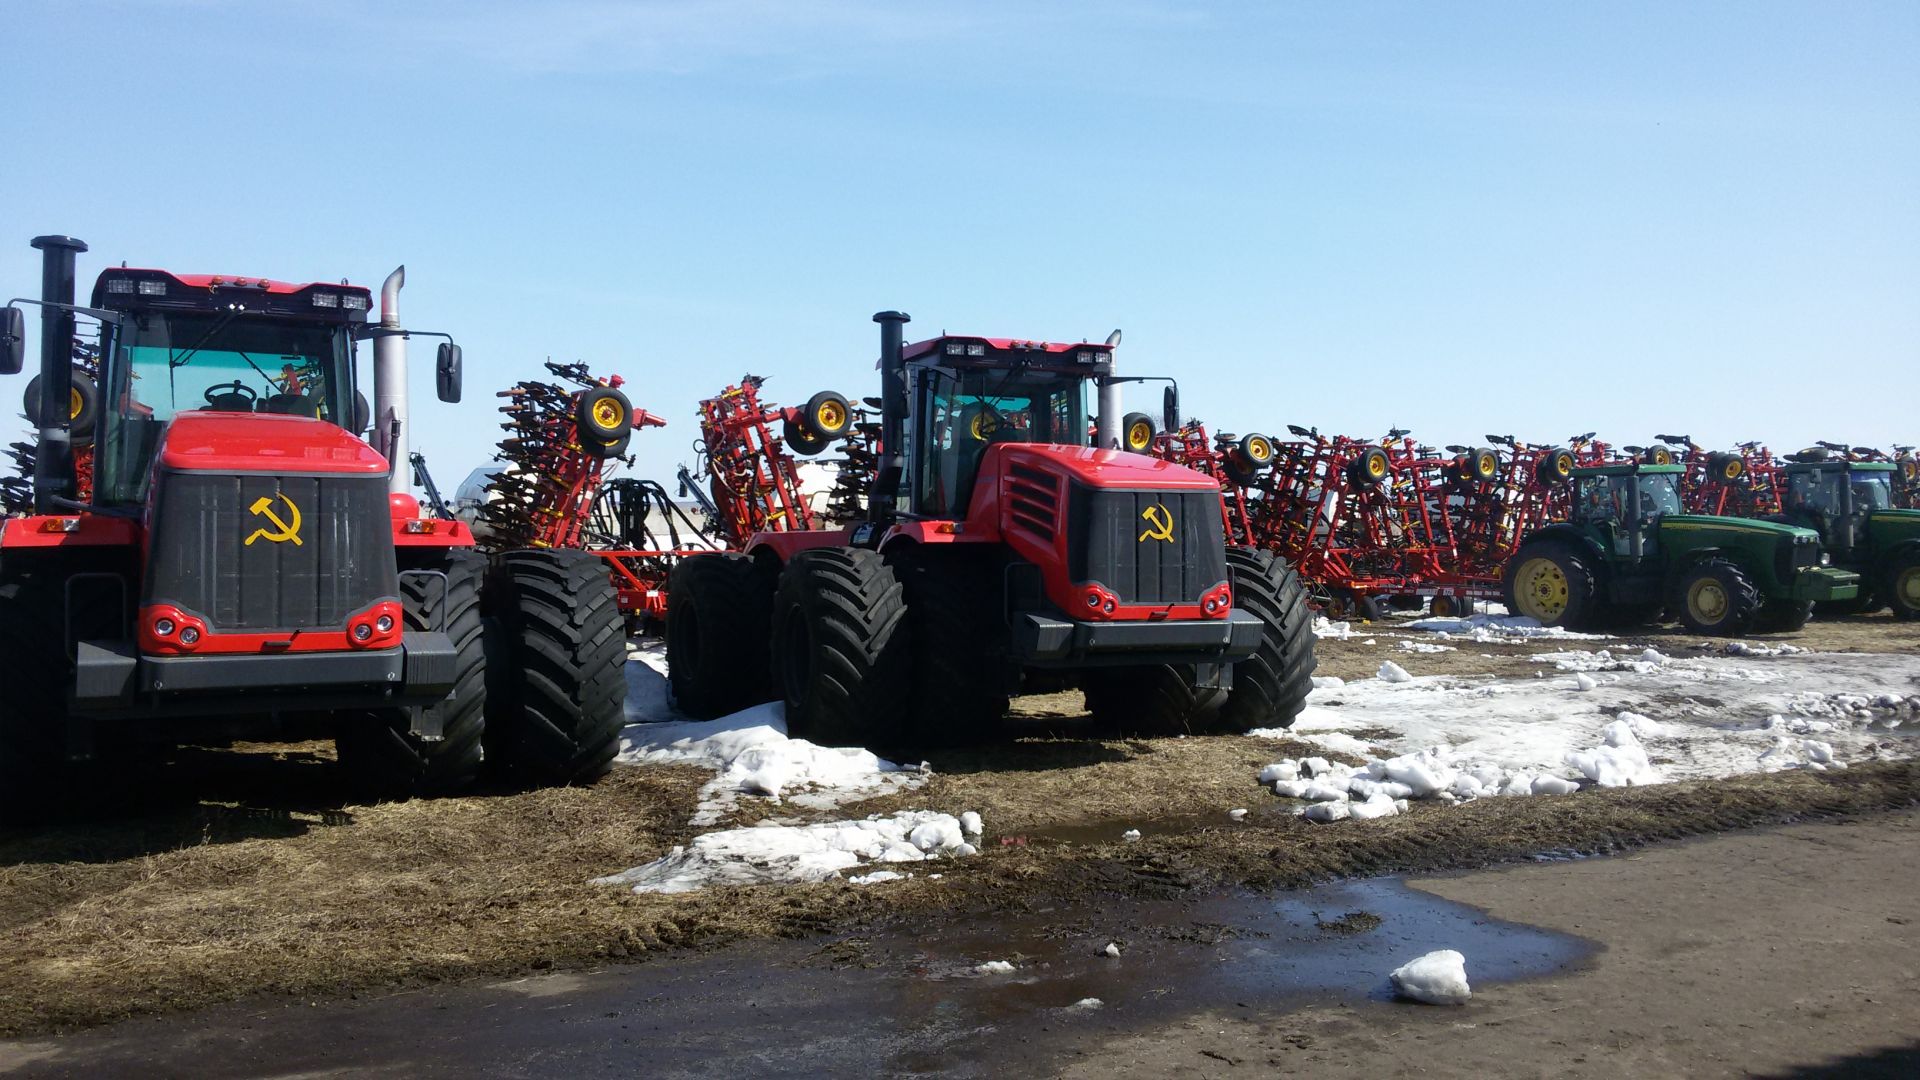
{"type": "Point", "coordinates": [390, 382]}
{"type": "Point", "coordinates": [53, 482]}
{"type": "Point", "coordinates": [885, 499]}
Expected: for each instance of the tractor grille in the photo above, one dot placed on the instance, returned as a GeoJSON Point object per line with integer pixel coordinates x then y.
{"type": "Point", "coordinates": [1033, 502]}
{"type": "Point", "coordinates": [201, 560]}
{"type": "Point", "coordinates": [1115, 540]}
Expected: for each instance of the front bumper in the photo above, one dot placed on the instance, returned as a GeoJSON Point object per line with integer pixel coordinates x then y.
{"type": "Point", "coordinates": [1819, 583]}
{"type": "Point", "coordinates": [1044, 640]}
{"type": "Point", "coordinates": [112, 676]}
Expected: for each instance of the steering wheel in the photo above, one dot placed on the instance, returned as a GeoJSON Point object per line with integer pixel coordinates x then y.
{"type": "Point", "coordinates": [232, 389]}
{"type": "Point", "coordinates": [980, 421]}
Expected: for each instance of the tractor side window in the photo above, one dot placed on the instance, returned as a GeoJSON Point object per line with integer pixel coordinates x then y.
{"type": "Point", "coordinates": [1872, 493]}
{"type": "Point", "coordinates": [1659, 495]}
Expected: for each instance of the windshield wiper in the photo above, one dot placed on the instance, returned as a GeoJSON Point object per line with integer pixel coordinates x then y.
{"type": "Point", "coordinates": [219, 324]}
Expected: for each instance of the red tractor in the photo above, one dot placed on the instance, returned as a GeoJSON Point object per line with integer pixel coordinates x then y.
{"type": "Point", "coordinates": [999, 541]}
{"type": "Point", "coordinates": [246, 566]}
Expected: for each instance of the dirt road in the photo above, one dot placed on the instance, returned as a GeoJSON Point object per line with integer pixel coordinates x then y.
{"type": "Point", "coordinates": [1788, 951]}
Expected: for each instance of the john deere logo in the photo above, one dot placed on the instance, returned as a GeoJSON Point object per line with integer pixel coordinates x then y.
{"type": "Point", "coordinates": [283, 530]}
{"type": "Point", "coordinates": [1159, 524]}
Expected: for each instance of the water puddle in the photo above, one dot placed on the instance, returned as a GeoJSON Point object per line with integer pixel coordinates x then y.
{"type": "Point", "coordinates": [910, 999]}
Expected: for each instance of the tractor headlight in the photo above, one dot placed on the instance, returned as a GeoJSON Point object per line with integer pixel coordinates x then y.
{"type": "Point", "coordinates": [162, 627]}
{"type": "Point", "coordinates": [976, 350]}
{"type": "Point", "coordinates": [120, 286]}
{"type": "Point", "coordinates": [1826, 559]}
{"type": "Point", "coordinates": [954, 348]}
{"type": "Point", "coordinates": [353, 302]}
{"type": "Point", "coordinates": [189, 636]}
{"type": "Point", "coordinates": [362, 632]}
{"type": "Point", "coordinates": [384, 624]}
{"type": "Point", "coordinates": [326, 299]}
{"type": "Point", "coordinates": [153, 288]}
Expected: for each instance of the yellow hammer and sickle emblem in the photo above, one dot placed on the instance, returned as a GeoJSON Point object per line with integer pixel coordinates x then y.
{"type": "Point", "coordinates": [1159, 524]}
{"type": "Point", "coordinates": [287, 530]}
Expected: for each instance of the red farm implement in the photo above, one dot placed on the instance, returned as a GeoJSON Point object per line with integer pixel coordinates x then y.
{"type": "Point", "coordinates": [754, 482]}
{"type": "Point", "coordinates": [1722, 483]}
{"type": "Point", "coordinates": [1240, 464]}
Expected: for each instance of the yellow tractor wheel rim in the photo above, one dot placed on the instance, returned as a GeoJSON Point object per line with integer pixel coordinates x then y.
{"type": "Point", "coordinates": [1733, 470]}
{"type": "Point", "coordinates": [1485, 465]}
{"type": "Point", "coordinates": [1260, 450]}
{"type": "Point", "coordinates": [73, 405]}
{"type": "Point", "coordinates": [1906, 586]}
{"type": "Point", "coordinates": [607, 414]}
{"type": "Point", "coordinates": [1661, 457]}
{"type": "Point", "coordinates": [980, 426]}
{"type": "Point", "coordinates": [1540, 588]}
{"type": "Point", "coordinates": [1563, 465]}
{"type": "Point", "coordinates": [830, 417]}
{"type": "Point", "coordinates": [1139, 436]}
{"type": "Point", "coordinates": [1707, 600]}
{"type": "Point", "coordinates": [1376, 465]}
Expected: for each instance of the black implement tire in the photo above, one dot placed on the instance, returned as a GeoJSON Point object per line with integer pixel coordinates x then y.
{"type": "Point", "coordinates": [1900, 585]}
{"type": "Point", "coordinates": [1782, 616]}
{"type": "Point", "coordinates": [1370, 468]}
{"type": "Point", "coordinates": [957, 644]}
{"type": "Point", "coordinates": [378, 752]}
{"type": "Point", "coordinates": [827, 415]}
{"type": "Point", "coordinates": [1553, 582]}
{"type": "Point", "coordinates": [1151, 700]}
{"type": "Point", "coordinates": [602, 416]}
{"type": "Point", "coordinates": [1137, 432]}
{"type": "Point", "coordinates": [35, 671]}
{"type": "Point", "coordinates": [82, 412]}
{"type": "Point", "coordinates": [556, 668]}
{"type": "Point", "coordinates": [607, 451]}
{"type": "Point", "coordinates": [1715, 596]}
{"type": "Point", "coordinates": [1554, 467]}
{"type": "Point", "coordinates": [1270, 687]}
{"type": "Point", "coordinates": [840, 646]}
{"type": "Point", "coordinates": [719, 633]}
{"type": "Point", "coordinates": [801, 438]}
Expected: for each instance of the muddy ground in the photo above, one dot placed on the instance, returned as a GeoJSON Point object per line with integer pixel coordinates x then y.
{"type": "Point", "coordinates": [241, 871]}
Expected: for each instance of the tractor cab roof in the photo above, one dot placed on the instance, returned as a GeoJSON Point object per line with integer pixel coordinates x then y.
{"type": "Point", "coordinates": [986, 352]}
{"type": "Point", "coordinates": [1629, 468]}
{"type": "Point", "coordinates": [129, 289]}
{"type": "Point", "coordinates": [1840, 463]}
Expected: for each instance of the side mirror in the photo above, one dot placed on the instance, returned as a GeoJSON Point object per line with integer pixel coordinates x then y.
{"type": "Point", "coordinates": [1170, 408]}
{"type": "Point", "coordinates": [13, 342]}
{"type": "Point", "coordinates": [446, 372]}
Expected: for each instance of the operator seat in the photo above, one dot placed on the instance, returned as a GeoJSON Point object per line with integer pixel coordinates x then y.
{"type": "Point", "coordinates": [291, 404]}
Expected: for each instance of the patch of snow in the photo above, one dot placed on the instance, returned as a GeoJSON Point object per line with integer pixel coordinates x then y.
{"type": "Point", "coordinates": [1328, 811]}
{"type": "Point", "coordinates": [995, 967]}
{"type": "Point", "coordinates": [1130, 835]}
{"type": "Point", "coordinates": [1423, 647]}
{"type": "Point", "coordinates": [1490, 627]}
{"type": "Point", "coordinates": [1237, 815]}
{"type": "Point", "coordinates": [971, 824]}
{"type": "Point", "coordinates": [1438, 978]}
{"type": "Point", "coordinates": [768, 853]}
{"type": "Point", "coordinates": [1584, 682]}
{"type": "Point", "coordinates": [1112, 950]}
{"type": "Point", "coordinates": [878, 876]}
{"type": "Point", "coordinates": [1087, 1004]}
{"type": "Point", "coordinates": [1340, 631]}
{"type": "Point", "coordinates": [1393, 673]}
{"type": "Point", "coordinates": [1328, 682]}
{"type": "Point", "coordinates": [1620, 761]}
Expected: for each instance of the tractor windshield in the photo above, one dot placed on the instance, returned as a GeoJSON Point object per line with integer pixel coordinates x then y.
{"type": "Point", "coordinates": [1659, 494]}
{"type": "Point", "coordinates": [162, 364]}
{"type": "Point", "coordinates": [1829, 491]}
{"type": "Point", "coordinates": [963, 412]}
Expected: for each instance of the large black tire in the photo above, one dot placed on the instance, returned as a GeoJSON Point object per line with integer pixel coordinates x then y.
{"type": "Point", "coordinates": [602, 416]}
{"type": "Point", "coordinates": [1270, 687]}
{"type": "Point", "coordinates": [719, 633]}
{"type": "Point", "coordinates": [82, 413]}
{"type": "Point", "coordinates": [1782, 616]}
{"type": "Point", "coordinates": [1900, 585]}
{"type": "Point", "coordinates": [840, 646]}
{"type": "Point", "coordinates": [35, 671]}
{"type": "Point", "coordinates": [1553, 582]}
{"type": "Point", "coordinates": [556, 668]}
{"type": "Point", "coordinates": [958, 645]}
{"type": "Point", "coordinates": [1716, 597]}
{"type": "Point", "coordinates": [380, 755]}
{"type": "Point", "coordinates": [1152, 700]}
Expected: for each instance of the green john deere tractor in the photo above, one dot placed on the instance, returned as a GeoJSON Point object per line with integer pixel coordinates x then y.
{"type": "Point", "coordinates": [1628, 552]}
{"type": "Point", "coordinates": [1850, 504]}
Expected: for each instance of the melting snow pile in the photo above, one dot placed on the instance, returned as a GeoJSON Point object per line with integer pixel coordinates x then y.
{"type": "Point", "coordinates": [1438, 978]}
{"type": "Point", "coordinates": [1393, 673]}
{"type": "Point", "coordinates": [995, 967]}
{"type": "Point", "coordinates": [769, 853]}
{"type": "Point", "coordinates": [1490, 628]}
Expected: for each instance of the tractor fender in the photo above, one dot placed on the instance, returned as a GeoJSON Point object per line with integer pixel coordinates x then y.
{"type": "Point", "coordinates": [1569, 534]}
{"type": "Point", "coordinates": [1893, 554]}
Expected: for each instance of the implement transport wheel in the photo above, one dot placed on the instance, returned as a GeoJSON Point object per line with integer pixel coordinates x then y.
{"type": "Point", "coordinates": [1725, 468]}
{"type": "Point", "coordinates": [1716, 597]}
{"type": "Point", "coordinates": [1555, 467]}
{"type": "Point", "coordinates": [1152, 700]}
{"type": "Point", "coordinates": [1136, 432]}
{"type": "Point", "coordinates": [1452, 607]}
{"type": "Point", "coordinates": [381, 756]}
{"type": "Point", "coordinates": [33, 710]}
{"type": "Point", "coordinates": [83, 405]}
{"type": "Point", "coordinates": [1900, 586]}
{"type": "Point", "coordinates": [958, 646]}
{"type": "Point", "coordinates": [719, 631]}
{"type": "Point", "coordinates": [840, 646]}
{"type": "Point", "coordinates": [603, 416]}
{"type": "Point", "coordinates": [1553, 583]}
{"type": "Point", "coordinates": [556, 668]}
{"type": "Point", "coordinates": [1369, 469]}
{"type": "Point", "coordinates": [826, 415]}
{"type": "Point", "coordinates": [1270, 687]}
{"type": "Point", "coordinates": [1782, 616]}
{"type": "Point", "coordinates": [802, 438]}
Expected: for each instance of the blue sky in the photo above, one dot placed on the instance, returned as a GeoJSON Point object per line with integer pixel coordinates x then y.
{"type": "Point", "coordinates": [1465, 218]}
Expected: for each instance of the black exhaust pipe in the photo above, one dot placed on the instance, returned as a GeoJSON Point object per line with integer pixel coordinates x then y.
{"type": "Point", "coordinates": [53, 482]}
{"type": "Point", "coordinates": [885, 498]}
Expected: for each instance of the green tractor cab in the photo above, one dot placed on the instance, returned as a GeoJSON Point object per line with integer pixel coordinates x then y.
{"type": "Point", "coordinates": [1628, 551]}
{"type": "Point", "coordinates": [1851, 505]}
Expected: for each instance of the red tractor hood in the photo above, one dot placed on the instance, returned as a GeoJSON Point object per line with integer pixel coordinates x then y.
{"type": "Point", "coordinates": [264, 442]}
{"type": "Point", "coordinates": [1109, 468]}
